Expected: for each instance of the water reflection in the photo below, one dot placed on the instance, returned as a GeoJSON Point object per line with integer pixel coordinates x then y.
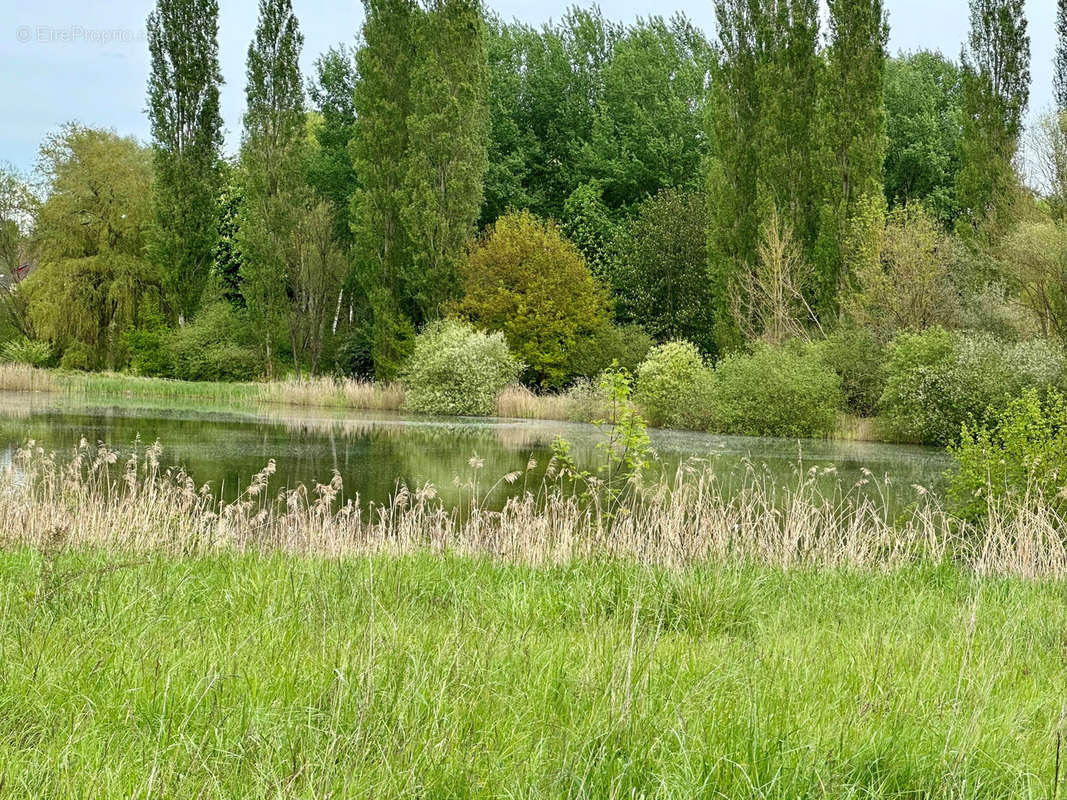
{"type": "Point", "coordinates": [375, 452]}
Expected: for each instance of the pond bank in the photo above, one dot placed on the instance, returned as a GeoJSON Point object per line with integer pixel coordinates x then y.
{"type": "Point", "coordinates": [349, 394]}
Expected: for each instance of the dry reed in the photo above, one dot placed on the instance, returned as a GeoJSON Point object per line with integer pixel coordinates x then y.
{"type": "Point", "coordinates": [347, 393]}
{"type": "Point", "coordinates": [24, 378]}
{"type": "Point", "coordinates": [88, 499]}
{"type": "Point", "coordinates": [518, 402]}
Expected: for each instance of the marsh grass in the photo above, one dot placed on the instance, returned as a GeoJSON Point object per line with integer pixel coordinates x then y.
{"type": "Point", "coordinates": [780, 643]}
{"type": "Point", "coordinates": [329, 392]}
{"type": "Point", "coordinates": [580, 403]}
{"type": "Point", "coordinates": [89, 499]}
{"type": "Point", "coordinates": [25, 378]}
{"type": "Point", "coordinates": [518, 402]}
{"type": "Point", "coordinates": [850, 428]}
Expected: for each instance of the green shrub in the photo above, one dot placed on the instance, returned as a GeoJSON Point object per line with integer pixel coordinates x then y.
{"type": "Point", "coordinates": [625, 346]}
{"type": "Point", "coordinates": [1019, 454]}
{"type": "Point", "coordinates": [216, 346]}
{"type": "Point", "coordinates": [586, 400]}
{"type": "Point", "coordinates": [392, 340]}
{"type": "Point", "coordinates": [455, 369]}
{"type": "Point", "coordinates": [672, 386]}
{"type": "Point", "coordinates": [938, 381]}
{"type": "Point", "coordinates": [149, 353]}
{"type": "Point", "coordinates": [857, 357]}
{"type": "Point", "coordinates": [355, 354]}
{"type": "Point", "coordinates": [787, 392]}
{"type": "Point", "coordinates": [27, 351]}
{"type": "Point", "coordinates": [917, 384]}
{"type": "Point", "coordinates": [79, 356]}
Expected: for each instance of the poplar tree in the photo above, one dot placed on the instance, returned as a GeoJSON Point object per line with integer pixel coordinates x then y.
{"type": "Point", "coordinates": [855, 126]}
{"type": "Point", "coordinates": [788, 136]}
{"type": "Point", "coordinates": [183, 111]}
{"type": "Point", "coordinates": [270, 159]}
{"type": "Point", "coordinates": [763, 141]}
{"type": "Point", "coordinates": [733, 216]}
{"type": "Point", "coordinates": [382, 105]}
{"type": "Point", "coordinates": [996, 92]}
{"type": "Point", "coordinates": [420, 152]}
{"type": "Point", "coordinates": [1059, 78]}
{"type": "Point", "coordinates": [446, 152]}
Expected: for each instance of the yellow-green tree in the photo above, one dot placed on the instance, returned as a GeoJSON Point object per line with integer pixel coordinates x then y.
{"type": "Point", "coordinates": [526, 279]}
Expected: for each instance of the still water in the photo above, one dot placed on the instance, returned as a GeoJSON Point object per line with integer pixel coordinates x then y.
{"type": "Point", "coordinates": [375, 452]}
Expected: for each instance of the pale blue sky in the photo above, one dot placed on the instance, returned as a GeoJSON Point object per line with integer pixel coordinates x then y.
{"type": "Point", "coordinates": [64, 60]}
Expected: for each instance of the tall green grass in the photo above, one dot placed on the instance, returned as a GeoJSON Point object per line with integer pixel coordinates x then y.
{"type": "Point", "coordinates": [684, 642]}
{"type": "Point", "coordinates": [421, 676]}
{"type": "Point", "coordinates": [323, 392]}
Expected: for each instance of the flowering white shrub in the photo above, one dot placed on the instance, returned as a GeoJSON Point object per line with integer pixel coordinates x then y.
{"type": "Point", "coordinates": [456, 369]}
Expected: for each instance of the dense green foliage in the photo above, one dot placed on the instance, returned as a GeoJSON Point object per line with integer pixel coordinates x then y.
{"type": "Point", "coordinates": [183, 109]}
{"type": "Point", "coordinates": [937, 382]}
{"type": "Point", "coordinates": [585, 100]}
{"type": "Point", "coordinates": [857, 356]}
{"type": "Point", "coordinates": [420, 153]}
{"type": "Point", "coordinates": [27, 351]}
{"type": "Point", "coordinates": [622, 346]}
{"type": "Point", "coordinates": [273, 191]}
{"type": "Point", "coordinates": [455, 369]}
{"type": "Point", "coordinates": [923, 112]}
{"type": "Point", "coordinates": [788, 392]}
{"type": "Point", "coordinates": [1019, 455]}
{"type": "Point", "coordinates": [659, 269]}
{"type": "Point", "coordinates": [92, 282]}
{"type": "Point", "coordinates": [588, 189]}
{"type": "Point", "coordinates": [996, 92]}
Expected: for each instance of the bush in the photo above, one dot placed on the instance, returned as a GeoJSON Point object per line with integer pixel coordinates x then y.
{"type": "Point", "coordinates": [623, 345]}
{"type": "Point", "coordinates": [456, 369]}
{"type": "Point", "coordinates": [355, 354]}
{"type": "Point", "coordinates": [216, 346]}
{"type": "Point", "coordinates": [937, 381]}
{"type": "Point", "coordinates": [148, 352]}
{"type": "Point", "coordinates": [79, 356]}
{"type": "Point", "coordinates": [27, 351]}
{"type": "Point", "coordinates": [787, 392]}
{"type": "Point", "coordinates": [1020, 454]}
{"type": "Point", "coordinates": [660, 269]}
{"type": "Point", "coordinates": [672, 386]}
{"type": "Point", "coordinates": [856, 356]}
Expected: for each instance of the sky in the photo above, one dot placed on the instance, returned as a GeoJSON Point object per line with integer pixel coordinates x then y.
{"type": "Point", "coordinates": [72, 60]}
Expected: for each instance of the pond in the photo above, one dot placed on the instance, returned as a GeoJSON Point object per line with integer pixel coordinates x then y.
{"type": "Point", "coordinates": [375, 452]}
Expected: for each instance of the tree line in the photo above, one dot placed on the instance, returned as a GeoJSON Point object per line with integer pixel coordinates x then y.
{"type": "Point", "coordinates": [586, 187]}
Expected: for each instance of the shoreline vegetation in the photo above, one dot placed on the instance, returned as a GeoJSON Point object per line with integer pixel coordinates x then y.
{"type": "Point", "coordinates": [88, 498]}
{"type": "Point", "coordinates": [513, 402]}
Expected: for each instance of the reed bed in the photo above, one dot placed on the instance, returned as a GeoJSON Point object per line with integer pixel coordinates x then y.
{"type": "Point", "coordinates": [327, 392]}
{"type": "Point", "coordinates": [87, 499]}
{"type": "Point", "coordinates": [518, 402]}
{"type": "Point", "coordinates": [24, 378]}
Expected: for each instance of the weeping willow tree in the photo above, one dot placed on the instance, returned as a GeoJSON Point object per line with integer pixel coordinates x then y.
{"type": "Point", "coordinates": [92, 284]}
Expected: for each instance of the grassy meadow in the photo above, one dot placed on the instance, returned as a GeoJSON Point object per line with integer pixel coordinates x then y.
{"type": "Point", "coordinates": [776, 643]}
{"type": "Point", "coordinates": [430, 676]}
